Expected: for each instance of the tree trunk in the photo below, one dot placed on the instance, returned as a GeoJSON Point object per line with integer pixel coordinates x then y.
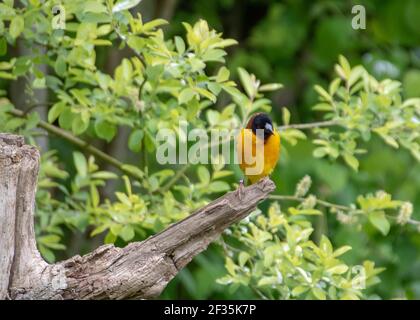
{"type": "Point", "coordinates": [139, 270]}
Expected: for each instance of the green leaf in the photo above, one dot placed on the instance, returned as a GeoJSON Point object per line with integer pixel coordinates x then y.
{"type": "Point", "coordinates": [196, 64]}
{"type": "Point", "coordinates": [127, 233]}
{"type": "Point", "coordinates": [80, 163]}
{"type": "Point", "coordinates": [6, 75]}
{"type": "Point", "coordinates": [297, 291]}
{"type": "Point", "coordinates": [213, 117]}
{"type": "Point", "coordinates": [65, 119]}
{"type": "Point", "coordinates": [135, 140]}
{"type": "Point", "coordinates": [215, 88]}
{"type": "Point", "coordinates": [351, 161]}
{"type": "Point", "coordinates": [379, 221]}
{"type": "Point", "coordinates": [55, 111]}
{"type": "Point", "coordinates": [99, 229]}
{"type": "Point", "coordinates": [243, 258]}
{"type": "Point", "coordinates": [286, 116]}
{"type": "Point", "coordinates": [6, 65]}
{"type": "Point", "coordinates": [124, 5]}
{"type": "Point", "coordinates": [149, 142]}
{"type": "Point", "coordinates": [325, 245]}
{"type": "Point", "coordinates": [136, 43]}
{"type": "Point", "coordinates": [153, 24]}
{"type": "Point", "coordinates": [180, 45]}
{"type": "Point", "coordinates": [323, 107]}
{"type": "Point", "coordinates": [214, 55]}
{"type": "Point", "coordinates": [411, 83]}
{"type": "Point", "coordinates": [186, 95]}
{"type": "Point", "coordinates": [47, 253]}
{"type": "Point", "coordinates": [105, 129]}
{"type": "Point", "coordinates": [16, 26]}
{"type": "Point", "coordinates": [3, 46]}
{"type": "Point", "coordinates": [247, 82]}
{"type": "Point", "coordinates": [102, 42]}
{"type": "Point", "coordinates": [133, 170]}
{"type": "Point", "coordinates": [341, 251]}
{"type": "Point", "coordinates": [224, 280]}
{"type": "Point", "coordinates": [127, 69]}
{"type": "Point", "coordinates": [321, 91]}
{"type": "Point", "coordinates": [230, 266]}
{"type": "Point", "coordinates": [60, 66]}
{"type": "Point", "coordinates": [226, 43]}
{"type": "Point", "coordinates": [206, 94]}
{"type": "Point", "coordinates": [79, 124]}
{"type": "Point", "coordinates": [221, 174]}
{"type": "Point", "coordinates": [14, 123]}
{"type": "Point", "coordinates": [39, 83]}
{"type": "Point", "coordinates": [270, 87]}
{"type": "Point", "coordinates": [345, 65]}
{"type": "Point", "coordinates": [355, 75]}
{"type": "Point", "coordinates": [110, 238]}
{"type": "Point", "coordinates": [22, 65]}
{"type": "Point", "coordinates": [94, 195]}
{"type": "Point", "coordinates": [103, 30]}
{"type": "Point", "coordinates": [223, 74]}
{"type": "Point", "coordinates": [80, 95]}
{"type": "Point", "coordinates": [339, 269]}
{"type": "Point", "coordinates": [104, 175]}
{"type": "Point", "coordinates": [219, 186]}
{"type": "Point", "coordinates": [319, 293]}
{"type": "Point", "coordinates": [334, 85]}
{"type": "Point", "coordinates": [203, 175]}
{"type": "Point", "coordinates": [32, 120]}
{"type": "Point", "coordinates": [51, 238]}
{"type": "Point", "coordinates": [6, 9]}
{"type": "Point", "coordinates": [264, 281]}
{"type": "Point", "coordinates": [387, 138]}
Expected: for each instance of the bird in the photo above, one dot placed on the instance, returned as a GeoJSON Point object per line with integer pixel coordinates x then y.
{"type": "Point", "coordinates": [259, 142]}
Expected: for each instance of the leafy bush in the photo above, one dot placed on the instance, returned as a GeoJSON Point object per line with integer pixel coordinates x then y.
{"type": "Point", "coordinates": [163, 81]}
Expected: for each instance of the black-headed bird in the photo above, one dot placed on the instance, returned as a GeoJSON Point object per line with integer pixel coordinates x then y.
{"type": "Point", "coordinates": [258, 147]}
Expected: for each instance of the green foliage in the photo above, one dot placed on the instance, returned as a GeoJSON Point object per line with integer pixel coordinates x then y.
{"type": "Point", "coordinates": [278, 261]}
{"type": "Point", "coordinates": [363, 106]}
{"type": "Point", "coordinates": [279, 252]}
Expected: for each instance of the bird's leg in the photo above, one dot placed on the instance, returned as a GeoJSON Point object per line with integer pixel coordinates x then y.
{"type": "Point", "coordinates": [240, 190]}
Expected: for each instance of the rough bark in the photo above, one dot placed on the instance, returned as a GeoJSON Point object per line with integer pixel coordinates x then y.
{"type": "Point", "coordinates": [139, 270]}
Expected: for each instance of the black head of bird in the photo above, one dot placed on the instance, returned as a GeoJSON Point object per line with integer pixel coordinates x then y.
{"type": "Point", "coordinates": [261, 121]}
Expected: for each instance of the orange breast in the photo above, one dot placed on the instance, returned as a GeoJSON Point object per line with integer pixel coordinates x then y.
{"type": "Point", "coordinates": [263, 154]}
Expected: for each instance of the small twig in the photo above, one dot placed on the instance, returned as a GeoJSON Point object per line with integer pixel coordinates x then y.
{"type": "Point", "coordinates": [409, 221]}
{"type": "Point", "coordinates": [258, 293]}
{"type": "Point", "coordinates": [78, 142]}
{"type": "Point", "coordinates": [175, 178]}
{"type": "Point", "coordinates": [142, 86]}
{"type": "Point", "coordinates": [124, 39]}
{"type": "Point", "coordinates": [138, 54]}
{"type": "Point", "coordinates": [311, 125]}
{"type": "Point", "coordinates": [319, 202]}
{"type": "Point", "coordinates": [333, 205]}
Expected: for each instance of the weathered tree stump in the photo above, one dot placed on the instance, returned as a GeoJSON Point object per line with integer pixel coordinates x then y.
{"type": "Point", "coordinates": [140, 270]}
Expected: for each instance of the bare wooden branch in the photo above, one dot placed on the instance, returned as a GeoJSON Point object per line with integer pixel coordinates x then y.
{"type": "Point", "coordinates": [139, 270]}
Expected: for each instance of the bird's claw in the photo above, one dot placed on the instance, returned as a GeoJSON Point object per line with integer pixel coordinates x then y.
{"type": "Point", "coordinates": [240, 190]}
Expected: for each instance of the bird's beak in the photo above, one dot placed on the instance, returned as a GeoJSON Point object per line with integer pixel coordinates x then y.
{"type": "Point", "coordinates": [269, 127]}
